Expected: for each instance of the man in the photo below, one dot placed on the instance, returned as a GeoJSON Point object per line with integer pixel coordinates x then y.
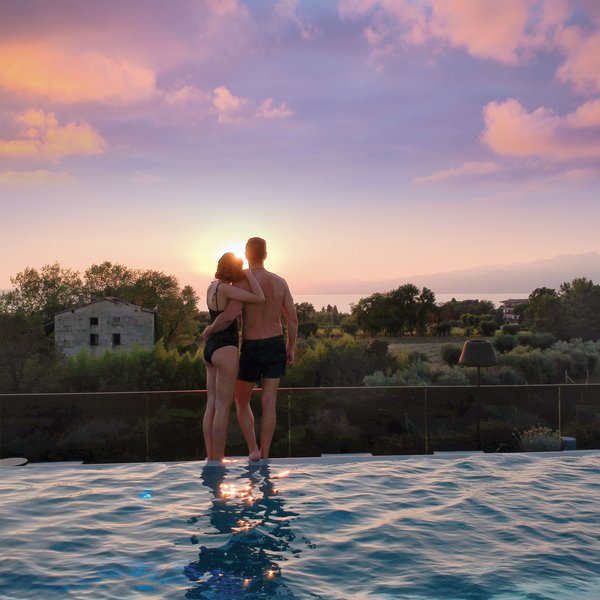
{"type": "Point", "coordinates": [265, 352]}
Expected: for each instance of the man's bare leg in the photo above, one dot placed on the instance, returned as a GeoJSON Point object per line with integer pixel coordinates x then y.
{"type": "Point", "coordinates": [226, 362]}
{"type": "Point", "coordinates": [243, 393]}
{"type": "Point", "coordinates": [245, 416]}
{"type": "Point", "coordinates": [268, 420]}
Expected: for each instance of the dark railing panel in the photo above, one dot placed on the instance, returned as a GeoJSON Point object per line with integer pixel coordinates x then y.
{"type": "Point", "coordinates": [167, 426]}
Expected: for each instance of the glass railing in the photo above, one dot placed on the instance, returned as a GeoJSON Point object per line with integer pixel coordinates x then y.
{"type": "Point", "coordinates": [167, 426]}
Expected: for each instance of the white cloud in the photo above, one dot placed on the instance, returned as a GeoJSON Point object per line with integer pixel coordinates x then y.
{"type": "Point", "coordinates": [468, 170]}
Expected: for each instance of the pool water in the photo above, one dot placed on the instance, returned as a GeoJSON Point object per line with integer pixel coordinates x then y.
{"type": "Point", "coordinates": [480, 527]}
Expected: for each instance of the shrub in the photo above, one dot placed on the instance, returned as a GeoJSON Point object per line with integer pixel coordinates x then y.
{"type": "Point", "coordinates": [414, 356]}
{"type": "Point", "coordinates": [450, 354]}
{"type": "Point", "coordinates": [502, 375]}
{"type": "Point", "coordinates": [542, 340]}
{"type": "Point", "coordinates": [505, 343]}
{"type": "Point", "coordinates": [510, 328]}
{"type": "Point", "coordinates": [487, 327]}
{"type": "Point", "coordinates": [349, 327]}
{"type": "Point", "coordinates": [538, 439]}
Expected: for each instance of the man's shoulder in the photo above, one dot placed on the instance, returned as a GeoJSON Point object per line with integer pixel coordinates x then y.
{"type": "Point", "coordinates": [277, 278]}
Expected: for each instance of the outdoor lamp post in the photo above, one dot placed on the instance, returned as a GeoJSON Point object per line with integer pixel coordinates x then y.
{"type": "Point", "coordinates": [478, 353]}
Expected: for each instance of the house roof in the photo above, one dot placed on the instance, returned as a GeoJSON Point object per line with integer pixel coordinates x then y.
{"type": "Point", "coordinates": [105, 299]}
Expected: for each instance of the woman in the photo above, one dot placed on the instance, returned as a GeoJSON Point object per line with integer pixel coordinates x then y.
{"type": "Point", "coordinates": [221, 350]}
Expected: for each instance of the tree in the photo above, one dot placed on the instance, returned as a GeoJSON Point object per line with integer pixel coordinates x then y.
{"type": "Point", "coordinates": [21, 338]}
{"type": "Point", "coordinates": [107, 279]}
{"type": "Point", "coordinates": [44, 292]}
{"type": "Point", "coordinates": [426, 308]}
{"type": "Point", "coordinates": [305, 311]}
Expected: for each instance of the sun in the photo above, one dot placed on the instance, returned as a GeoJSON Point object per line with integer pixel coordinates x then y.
{"type": "Point", "coordinates": [237, 247]}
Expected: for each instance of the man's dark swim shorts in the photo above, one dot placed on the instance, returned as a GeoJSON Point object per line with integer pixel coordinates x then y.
{"type": "Point", "coordinates": [262, 358]}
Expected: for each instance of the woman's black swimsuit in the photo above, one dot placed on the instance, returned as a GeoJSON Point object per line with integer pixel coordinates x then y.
{"type": "Point", "coordinates": [227, 337]}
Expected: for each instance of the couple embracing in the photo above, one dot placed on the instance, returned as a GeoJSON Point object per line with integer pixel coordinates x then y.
{"type": "Point", "coordinates": [262, 298]}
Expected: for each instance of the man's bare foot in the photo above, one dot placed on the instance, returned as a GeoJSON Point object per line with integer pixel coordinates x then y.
{"type": "Point", "coordinates": [254, 455]}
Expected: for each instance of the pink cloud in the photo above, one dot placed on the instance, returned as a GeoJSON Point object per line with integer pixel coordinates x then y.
{"type": "Point", "coordinates": [587, 115]}
{"type": "Point", "coordinates": [187, 95]}
{"type": "Point", "coordinates": [42, 136]}
{"type": "Point", "coordinates": [267, 111]}
{"type": "Point", "coordinates": [66, 76]}
{"type": "Point", "coordinates": [493, 30]}
{"type": "Point", "coordinates": [511, 130]}
{"type": "Point", "coordinates": [510, 31]}
{"type": "Point", "coordinates": [470, 169]}
{"type": "Point", "coordinates": [582, 59]}
{"type": "Point", "coordinates": [230, 108]}
{"type": "Point", "coordinates": [236, 109]}
{"type": "Point", "coordinates": [288, 10]}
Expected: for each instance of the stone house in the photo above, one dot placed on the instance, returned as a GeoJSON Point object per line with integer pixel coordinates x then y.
{"type": "Point", "coordinates": [103, 324]}
{"type": "Point", "coordinates": [508, 309]}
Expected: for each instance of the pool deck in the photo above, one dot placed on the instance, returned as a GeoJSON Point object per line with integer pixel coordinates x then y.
{"type": "Point", "coordinates": [327, 459]}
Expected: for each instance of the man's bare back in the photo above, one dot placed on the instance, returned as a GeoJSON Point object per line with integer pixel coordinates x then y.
{"type": "Point", "coordinates": [264, 320]}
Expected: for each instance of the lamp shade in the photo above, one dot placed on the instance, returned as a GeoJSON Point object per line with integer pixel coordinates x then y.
{"type": "Point", "coordinates": [478, 353]}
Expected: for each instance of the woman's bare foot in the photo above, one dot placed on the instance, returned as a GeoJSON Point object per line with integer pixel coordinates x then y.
{"type": "Point", "coordinates": [255, 454]}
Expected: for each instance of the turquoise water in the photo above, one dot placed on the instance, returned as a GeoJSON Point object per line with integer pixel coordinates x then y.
{"type": "Point", "coordinates": [481, 527]}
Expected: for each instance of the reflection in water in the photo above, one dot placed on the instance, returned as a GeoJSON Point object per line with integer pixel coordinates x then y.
{"type": "Point", "coordinates": [259, 539]}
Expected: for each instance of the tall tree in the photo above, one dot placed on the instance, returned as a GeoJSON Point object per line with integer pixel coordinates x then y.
{"type": "Point", "coordinates": [43, 292]}
{"type": "Point", "coordinates": [107, 279]}
{"type": "Point", "coordinates": [21, 338]}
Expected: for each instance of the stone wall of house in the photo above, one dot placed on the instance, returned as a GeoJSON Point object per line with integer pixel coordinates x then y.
{"type": "Point", "coordinates": [103, 325]}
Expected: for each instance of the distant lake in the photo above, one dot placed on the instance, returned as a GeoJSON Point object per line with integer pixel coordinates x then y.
{"type": "Point", "coordinates": [343, 301]}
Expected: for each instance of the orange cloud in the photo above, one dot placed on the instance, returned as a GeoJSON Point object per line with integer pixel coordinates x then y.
{"type": "Point", "coordinates": [42, 136]}
{"type": "Point", "coordinates": [511, 130]}
{"type": "Point", "coordinates": [40, 177]}
{"type": "Point", "coordinates": [38, 69]}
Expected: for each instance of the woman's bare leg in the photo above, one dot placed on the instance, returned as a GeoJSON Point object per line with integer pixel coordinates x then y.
{"type": "Point", "coordinates": [225, 360]}
{"type": "Point", "coordinates": [209, 413]}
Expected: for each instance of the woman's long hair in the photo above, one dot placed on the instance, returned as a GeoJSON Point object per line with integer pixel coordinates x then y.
{"type": "Point", "coordinates": [229, 268]}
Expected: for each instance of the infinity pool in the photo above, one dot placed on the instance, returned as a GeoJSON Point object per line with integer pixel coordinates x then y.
{"type": "Point", "coordinates": [480, 527]}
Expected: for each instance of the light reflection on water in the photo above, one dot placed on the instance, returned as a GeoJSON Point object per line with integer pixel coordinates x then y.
{"type": "Point", "coordinates": [487, 527]}
{"type": "Point", "coordinates": [256, 538]}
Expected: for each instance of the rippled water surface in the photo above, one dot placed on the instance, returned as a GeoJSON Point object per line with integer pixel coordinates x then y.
{"type": "Point", "coordinates": [487, 526]}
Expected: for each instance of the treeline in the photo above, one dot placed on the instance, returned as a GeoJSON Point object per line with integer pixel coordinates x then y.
{"type": "Point", "coordinates": [530, 361]}
{"type": "Point", "coordinates": [556, 335]}
{"type": "Point", "coordinates": [572, 311]}
{"type": "Point", "coordinates": [42, 293]}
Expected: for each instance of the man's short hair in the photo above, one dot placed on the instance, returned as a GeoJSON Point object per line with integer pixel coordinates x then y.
{"type": "Point", "coordinates": [256, 249]}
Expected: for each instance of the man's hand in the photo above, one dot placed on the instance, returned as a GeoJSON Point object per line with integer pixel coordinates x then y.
{"type": "Point", "coordinates": [291, 355]}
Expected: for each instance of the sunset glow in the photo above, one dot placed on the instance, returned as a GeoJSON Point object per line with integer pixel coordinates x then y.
{"type": "Point", "coordinates": [365, 140]}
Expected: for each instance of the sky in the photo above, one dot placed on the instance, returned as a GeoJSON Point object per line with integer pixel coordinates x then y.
{"type": "Point", "coordinates": [363, 139]}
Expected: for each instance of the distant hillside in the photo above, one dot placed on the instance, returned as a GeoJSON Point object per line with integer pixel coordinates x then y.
{"type": "Point", "coordinates": [525, 276]}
